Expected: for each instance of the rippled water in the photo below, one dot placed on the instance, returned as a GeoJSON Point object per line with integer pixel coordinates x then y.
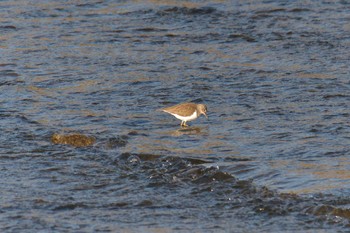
{"type": "Point", "coordinates": [273, 156]}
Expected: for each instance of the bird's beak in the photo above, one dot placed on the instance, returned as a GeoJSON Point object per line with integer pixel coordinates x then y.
{"type": "Point", "coordinates": [205, 115]}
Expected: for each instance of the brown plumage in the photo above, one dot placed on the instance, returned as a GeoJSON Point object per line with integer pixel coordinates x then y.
{"type": "Point", "coordinates": [187, 111]}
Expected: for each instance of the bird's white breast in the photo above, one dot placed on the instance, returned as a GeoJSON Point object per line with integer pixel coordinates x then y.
{"type": "Point", "coordinates": [186, 118]}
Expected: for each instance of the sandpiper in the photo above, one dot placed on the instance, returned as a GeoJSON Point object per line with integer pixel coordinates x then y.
{"type": "Point", "coordinates": [187, 111]}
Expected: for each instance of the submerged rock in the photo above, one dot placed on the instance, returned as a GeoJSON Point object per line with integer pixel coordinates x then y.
{"type": "Point", "coordinates": [78, 140]}
{"type": "Point", "coordinates": [119, 141]}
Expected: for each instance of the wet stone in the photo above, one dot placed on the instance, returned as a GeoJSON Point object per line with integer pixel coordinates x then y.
{"type": "Point", "coordinates": [77, 140]}
{"type": "Point", "coordinates": [119, 141]}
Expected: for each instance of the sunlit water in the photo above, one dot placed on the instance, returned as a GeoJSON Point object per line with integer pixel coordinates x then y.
{"type": "Point", "coordinates": [273, 156]}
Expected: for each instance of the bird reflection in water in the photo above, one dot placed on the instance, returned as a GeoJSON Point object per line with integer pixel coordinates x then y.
{"type": "Point", "coordinates": [187, 131]}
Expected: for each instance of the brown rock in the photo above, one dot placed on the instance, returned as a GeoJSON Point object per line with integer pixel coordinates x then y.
{"type": "Point", "coordinates": [77, 140]}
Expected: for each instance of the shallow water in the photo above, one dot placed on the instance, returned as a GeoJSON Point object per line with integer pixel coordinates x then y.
{"type": "Point", "coordinates": [272, 157]}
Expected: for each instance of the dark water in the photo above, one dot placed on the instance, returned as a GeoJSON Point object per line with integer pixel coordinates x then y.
{"type": "Point", "coordinates": [274, 155]}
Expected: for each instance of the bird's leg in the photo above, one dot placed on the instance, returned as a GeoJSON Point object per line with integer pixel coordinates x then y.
{"type": "Point", "coordinates": [183, 124]}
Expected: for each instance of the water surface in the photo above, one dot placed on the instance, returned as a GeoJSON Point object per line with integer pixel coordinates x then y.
{"type": "Point", "coordinates": [272, 157]}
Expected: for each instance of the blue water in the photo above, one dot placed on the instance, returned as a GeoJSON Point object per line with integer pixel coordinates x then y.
{"type": "Point", "coordinates": [272, 157]}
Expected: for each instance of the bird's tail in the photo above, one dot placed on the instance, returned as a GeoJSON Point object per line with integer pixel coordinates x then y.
{"type": "Point", "coordinates": [159, 110]}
